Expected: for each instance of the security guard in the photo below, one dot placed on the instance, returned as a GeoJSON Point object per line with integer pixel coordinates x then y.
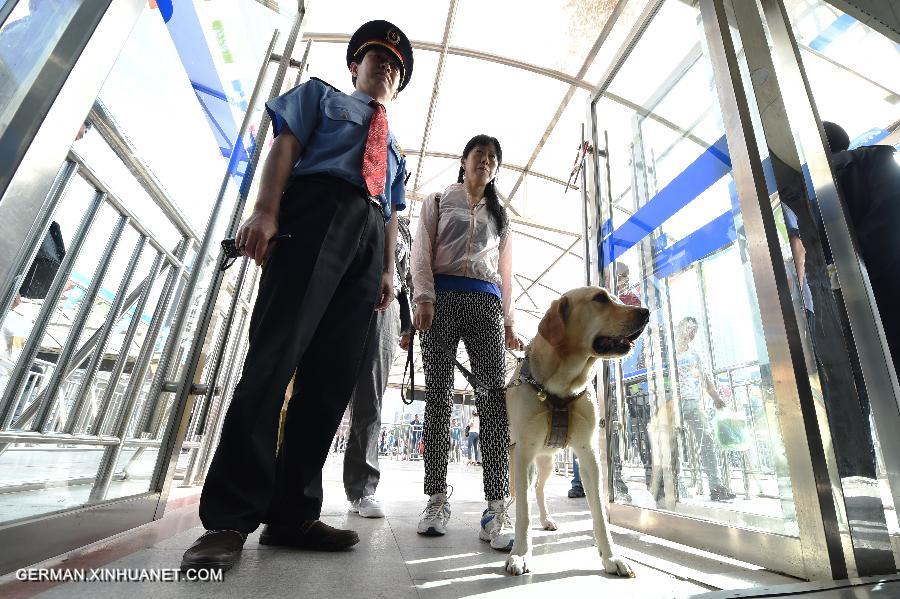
{"type": "Point", "coordinates": [333, 183]}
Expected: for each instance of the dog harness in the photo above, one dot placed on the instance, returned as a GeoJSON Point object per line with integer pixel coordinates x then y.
{"type": "Point", "coordinates": [558, 432]}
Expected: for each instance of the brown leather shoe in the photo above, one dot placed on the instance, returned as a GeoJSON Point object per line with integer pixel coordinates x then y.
{"type": "Point", "coordinates": [311, 534]}
{"type": "Point", "coordinates": [214, 550]}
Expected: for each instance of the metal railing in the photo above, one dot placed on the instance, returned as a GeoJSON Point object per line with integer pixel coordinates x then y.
{"type": "Point", "coordinates": [86, 394]}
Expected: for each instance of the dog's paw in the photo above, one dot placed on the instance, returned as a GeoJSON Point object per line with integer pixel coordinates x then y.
{"type": "Point", "coordinates": [549, 524]}
{"type": "Point", "coordinates": [617, 566]}
{"type": "Point", "coordinates": [516, 565]}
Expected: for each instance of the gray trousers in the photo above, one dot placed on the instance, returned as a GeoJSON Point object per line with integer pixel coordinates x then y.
{"type": "Point", "coordinates": [361, 473]}
{"type": "Point", "coordinates": [695, 420]}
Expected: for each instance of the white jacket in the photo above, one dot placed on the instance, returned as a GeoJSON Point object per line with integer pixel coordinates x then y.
{"type": "Point", "coordinates": [456, 239]}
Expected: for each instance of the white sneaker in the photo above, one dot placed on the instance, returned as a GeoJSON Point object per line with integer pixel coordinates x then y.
{"type": "Point", "coordinates": [367, 507]}
{"type": "Point", "coordinates": [437, 513]}
{"type": "Point", "coordinates": [495, 525]}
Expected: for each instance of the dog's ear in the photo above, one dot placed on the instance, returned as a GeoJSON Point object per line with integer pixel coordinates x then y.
{"type": "Point", "coordinates": [553, 325]}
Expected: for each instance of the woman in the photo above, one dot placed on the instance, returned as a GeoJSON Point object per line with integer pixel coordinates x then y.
{"type": "Point", "coordinates": [472, 440]}
{"type": "Point", "coordinates": [462, 276]}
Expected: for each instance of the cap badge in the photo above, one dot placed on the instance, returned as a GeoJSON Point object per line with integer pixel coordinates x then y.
{"type": "Point", "coordinates": [393, 36]}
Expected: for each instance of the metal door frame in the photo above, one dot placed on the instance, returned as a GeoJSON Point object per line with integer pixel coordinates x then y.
{"type": "Point", "coordinates": [819, 551]}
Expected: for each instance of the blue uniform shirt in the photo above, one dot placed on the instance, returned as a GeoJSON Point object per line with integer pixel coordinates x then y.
{"type": "Point", "coordinates": [332, 128]}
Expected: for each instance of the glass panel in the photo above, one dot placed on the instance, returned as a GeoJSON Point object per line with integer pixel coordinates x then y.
{"type": "Point", "coordinates": [558, 154]}
{"type": "Point", "coordinates": [852, 72]}
{"type": "Point", "coordinates": [27, 39]}
{"type": "Point", "coordinates": [181, 141]}
{"type": "Point", "coordinates": [43, 478]}
{"type": "Point", "coordinates": [695, 427]}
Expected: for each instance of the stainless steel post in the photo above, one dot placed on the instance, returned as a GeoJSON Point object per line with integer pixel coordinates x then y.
{"type": "Point", "coordinates": [180, 321]}
{"type": "Point", "coordinates": [198, 421]}
{"type": "Point", "coordinates": [135, 382]}
{"type": "Point", "coordinates": [97, 426]}
{"type": "Point", "coordinates": [93, 364]}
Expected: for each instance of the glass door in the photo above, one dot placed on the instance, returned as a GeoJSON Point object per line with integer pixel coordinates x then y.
{"type": "Point", "coordinates": [713, 434]}
{"type": "Point", "coordinates": [699, 431]}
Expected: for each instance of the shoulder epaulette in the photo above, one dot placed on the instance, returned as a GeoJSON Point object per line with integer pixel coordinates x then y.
{"type": "Point", "coordinates": [325, 83]}
{"type": "Point", "coordinates": [399, 147]}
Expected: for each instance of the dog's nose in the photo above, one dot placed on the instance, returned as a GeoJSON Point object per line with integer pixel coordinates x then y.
{"type": "Point", "coordinates": [645, 314]}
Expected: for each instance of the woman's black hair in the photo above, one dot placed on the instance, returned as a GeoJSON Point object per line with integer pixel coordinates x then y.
{"type": "Point", "coordinates": [498, 212]}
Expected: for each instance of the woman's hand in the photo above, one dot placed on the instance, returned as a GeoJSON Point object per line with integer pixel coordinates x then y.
{"type": "Point", "coordinates": [254, 238]}
{"type": "Point", "coordinates": [405, 339]}
{"type": "Point", "coordinates": [424, 315]}
{"type": "Point", "coordinates": [512, 340]}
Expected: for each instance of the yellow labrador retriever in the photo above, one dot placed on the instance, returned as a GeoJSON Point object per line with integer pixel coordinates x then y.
{"type": "Point", "coordinates": [580, 328]}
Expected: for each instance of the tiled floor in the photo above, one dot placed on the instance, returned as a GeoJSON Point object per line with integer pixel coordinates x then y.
{"type": "Point", "coordinates": [393, 562]}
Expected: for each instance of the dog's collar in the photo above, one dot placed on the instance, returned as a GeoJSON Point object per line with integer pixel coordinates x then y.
{"type": "Point", "coordinates": [556, 401]}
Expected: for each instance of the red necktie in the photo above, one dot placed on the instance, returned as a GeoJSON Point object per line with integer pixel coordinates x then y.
{"type": "Point", "coordinates": [374, 164]}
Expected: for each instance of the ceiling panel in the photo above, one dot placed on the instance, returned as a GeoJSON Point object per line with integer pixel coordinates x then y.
{"type": "Point", "coordinates": [554, 34]}
{"type": "Point", "coordinates": [482, 97]}
{"type": "Point", "coordinates": [418, 21]}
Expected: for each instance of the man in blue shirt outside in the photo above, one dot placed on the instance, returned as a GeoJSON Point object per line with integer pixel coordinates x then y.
{"type": "Point", "coordinates": [330, 191]}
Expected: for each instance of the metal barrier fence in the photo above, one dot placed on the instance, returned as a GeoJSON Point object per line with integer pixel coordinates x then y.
{"type": "Point", "coordinates": [82, 378]}
{"type": "Point", "coordinates": [186, 326]}
{"type": "Point", "coordinates": [400, 441]}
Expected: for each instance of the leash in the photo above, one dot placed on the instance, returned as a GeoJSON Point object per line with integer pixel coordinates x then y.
{"type": "Point", "coordinates": [467, 374]}
{"type": "Point", "coordinates": [410, 365]}
{"type": "Point", "coordinates": [558, 433]}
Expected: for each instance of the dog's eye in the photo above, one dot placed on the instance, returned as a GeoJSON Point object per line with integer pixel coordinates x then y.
{"type": "Point", "coordinates": [601, 298]}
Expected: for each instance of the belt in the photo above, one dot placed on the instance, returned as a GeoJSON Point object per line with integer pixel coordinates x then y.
{"type": "Point", "coordinates": [334, 181]}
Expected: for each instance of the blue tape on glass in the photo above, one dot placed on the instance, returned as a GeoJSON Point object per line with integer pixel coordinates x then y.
{"type": "Point", "coordinates": [709, 167]}
{"type": "Point", "coordinates": [832, 32]}
{"type": "Point", "coordinates": [701, 243]}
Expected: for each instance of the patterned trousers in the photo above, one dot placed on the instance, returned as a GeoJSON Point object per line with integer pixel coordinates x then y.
{"type": "Point", "coordinates": [477, 319]}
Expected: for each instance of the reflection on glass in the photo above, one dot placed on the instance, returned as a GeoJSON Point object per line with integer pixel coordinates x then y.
{"type": "Point", "coordinates": [853, 70]}
{"type": "Point", "coordinates": [853, 76]}
{"type": "Point", "coordinates": [27, 39]}
{"type": "Point", "coordinates": [697, 433]}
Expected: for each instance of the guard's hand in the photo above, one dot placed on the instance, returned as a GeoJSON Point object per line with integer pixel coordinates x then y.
{"type": "Point", "coordinates": [386, 293]}
{"type": "Point", "coordinates": [512, 340]}
{"type": "Point", "coordinates": [405, 340]}
{"type": "Point", "coordinates": [255, 237]}
{"type": "Point", "coordinates": [719, 403]}
{"type": "Point", "coordinates": [423, 316]}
